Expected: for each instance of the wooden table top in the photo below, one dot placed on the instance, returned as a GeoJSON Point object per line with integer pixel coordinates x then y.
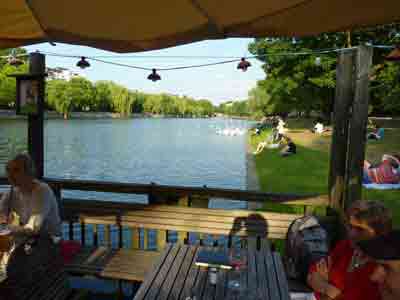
{"type": "Point", "coordinates": [175, 276]}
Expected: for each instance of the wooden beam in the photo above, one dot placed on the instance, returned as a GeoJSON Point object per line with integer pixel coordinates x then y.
{"type": "Point", "coordinates": [358, 125]}
{"type": "Point", "coordinates": [343, 100]}
{"type": "Point", "coordinates": [37, 65]}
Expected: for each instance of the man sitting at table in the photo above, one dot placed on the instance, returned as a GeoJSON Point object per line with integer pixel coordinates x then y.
{"type": "Point", "coordinates": [30, 208]}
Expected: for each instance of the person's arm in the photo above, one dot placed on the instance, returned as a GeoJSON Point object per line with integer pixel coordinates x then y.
{"type": "Point", "coordinates": [40, 210]}
{"type": "Point", "coordinates": [319, 284]}
{"type": "Point", "coordinates": [318, 279]}
{"type": "Point", "coordinates": [4, 207]}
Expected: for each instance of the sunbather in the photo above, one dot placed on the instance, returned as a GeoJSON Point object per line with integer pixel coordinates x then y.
{"type": "Point", "coordinates": [377, 135]}
{"type": "Point", "coordinates": [388, 171]}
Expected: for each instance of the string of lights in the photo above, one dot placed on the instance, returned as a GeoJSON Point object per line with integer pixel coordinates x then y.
{"type": "Point", "coordinates": [243, 62]}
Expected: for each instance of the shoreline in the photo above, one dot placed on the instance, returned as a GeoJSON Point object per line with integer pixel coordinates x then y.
{"type": "Point", "coordinates": [51, 115]}
{"type": "Point", "coordinates": [252, 182]}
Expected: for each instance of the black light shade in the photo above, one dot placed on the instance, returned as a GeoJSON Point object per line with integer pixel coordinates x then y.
{"type": "Point", "coordinates": [83, 63]}
{"type": "Point", "coordinates": [14, 61]}
{"type": "Point", "coordinates": [154, 76]}
{"type": "Point", "coordinates": [243, 64]}
{"type": "Point", "coordinates": [394, 55]}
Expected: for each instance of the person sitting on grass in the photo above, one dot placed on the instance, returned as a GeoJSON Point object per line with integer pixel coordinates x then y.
{"type": "Point", "coordinates": [290, 148]}
{"type": "Point", "coordinates": [386, 172]}
{"type": "Point", "coordinates": [281, 126]}
{"type": "Point", "coordinates": [273, 139]}
{"type": "Point", "coordinates": [377, 135]}
{"type": "Point", "coordinates": [345, 273]}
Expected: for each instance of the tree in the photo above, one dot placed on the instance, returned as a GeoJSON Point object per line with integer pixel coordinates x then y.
{"type": "Point", "coordinates": [297, 83]}
{"type": "Point", "coordinates": [386, 89]}
{"type": "Point", "coordinates": [8, 84]}
{"type": "Point", "coordinates": [103, 97]}
{"type": "Point", "coordinates": [81, 93]}
{"type": "Point", "coordinates": [122, 99]}
{"type": "Point", "coordinates": [58, 97]}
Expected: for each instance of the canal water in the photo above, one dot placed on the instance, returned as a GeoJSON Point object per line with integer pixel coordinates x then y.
{"type": "Point", "coordinates": [185, 152]}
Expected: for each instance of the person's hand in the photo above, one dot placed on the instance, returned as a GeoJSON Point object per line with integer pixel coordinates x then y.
{"type": "Point", "coordinates": [333, 292]}
{"type": "Point", "coordinates": [323, 268]}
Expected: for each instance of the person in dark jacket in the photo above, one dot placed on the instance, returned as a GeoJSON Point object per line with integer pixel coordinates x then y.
{"type": "Point", "coordinates": [290, 148]}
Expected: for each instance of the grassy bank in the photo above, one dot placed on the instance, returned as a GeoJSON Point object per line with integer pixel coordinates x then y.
{"type": "Point", "coordinates": [307, 172]}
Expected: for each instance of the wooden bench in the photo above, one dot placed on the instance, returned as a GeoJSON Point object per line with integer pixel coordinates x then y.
{"type": "Point", "coordinates": [132, 264]}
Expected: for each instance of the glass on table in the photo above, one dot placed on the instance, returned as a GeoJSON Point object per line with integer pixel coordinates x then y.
{"type": "Point", "coordinates": [237, 277]}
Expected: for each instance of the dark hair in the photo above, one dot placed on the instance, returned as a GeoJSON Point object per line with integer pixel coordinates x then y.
{"type": "Point", "coordinates": [374, 213]}
{"type": "Point", "coordinates": [27, 162]}
{"type": "Point", "coordinates": [396, 165]}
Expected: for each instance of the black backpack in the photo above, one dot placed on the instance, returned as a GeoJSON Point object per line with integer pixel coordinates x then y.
{"type": "Point", "coordinates": [306, 243]}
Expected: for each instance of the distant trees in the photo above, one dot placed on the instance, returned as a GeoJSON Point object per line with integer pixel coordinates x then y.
{"type": "Point", "coordinates": [235, 108]}
{"type": "Point", "coordinates": [79, 94]}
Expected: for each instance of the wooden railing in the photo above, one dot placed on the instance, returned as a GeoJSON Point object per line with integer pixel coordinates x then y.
{"type": "Point", "coordinates": [156, 192]}
{"type": "Point", "coordinates": [108, 227]}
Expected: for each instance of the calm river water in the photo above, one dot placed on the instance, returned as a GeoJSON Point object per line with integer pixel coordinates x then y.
{"type": "Point", "coordinates": [184, 152]}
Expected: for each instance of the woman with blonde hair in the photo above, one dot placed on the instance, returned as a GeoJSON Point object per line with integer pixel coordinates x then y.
{"type": "Point", "coordinates": [345, 273]}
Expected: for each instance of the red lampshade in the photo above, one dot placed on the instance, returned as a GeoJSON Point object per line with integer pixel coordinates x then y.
{"type": "Point", "coordinates": [243, 64]}
{"type": "Point", "coordinates": [83, 63]}
{"type": "Point", "coordinates": [394, 55]}
{"type": "Point", "coordinates": [154, 76]}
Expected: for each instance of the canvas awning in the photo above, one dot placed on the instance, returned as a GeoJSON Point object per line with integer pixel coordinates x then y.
{"type": "Point", "coordinates": [137, 25]}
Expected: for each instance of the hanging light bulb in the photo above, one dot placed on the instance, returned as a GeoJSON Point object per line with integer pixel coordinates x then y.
{"type": "Point", "coordinates": [394, 55]}
{"type": "Point", "coordinates": [13, 60]}
{"type": "Point", "coordinates": [154, 76]}
{"type": "Point", "coordinates": [318, 61]}
{"type": "Point", "coordinates": [83, 63]}
{"type": "Point", "coordinates": [243, 64]}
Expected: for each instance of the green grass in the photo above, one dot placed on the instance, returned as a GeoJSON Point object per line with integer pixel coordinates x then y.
{"type": "Point", "coordinates": [307, 171]}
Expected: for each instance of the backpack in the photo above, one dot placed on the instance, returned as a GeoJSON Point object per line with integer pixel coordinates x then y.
{"type": "Point", "coordinates": [306, 243]}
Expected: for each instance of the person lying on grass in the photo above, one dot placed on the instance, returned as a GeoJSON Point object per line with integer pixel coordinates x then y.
{"type": "Point", "coordinates": [377, 134]}
{"type": "Point", "coordinates": [386, 172]}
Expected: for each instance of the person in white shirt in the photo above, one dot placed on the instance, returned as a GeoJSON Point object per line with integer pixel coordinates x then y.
{"type": "Point", "coordinates": [30, 207]}
{"type": "Point", "coordinates": [319, 128]}
{"type": "Point", "coordinates": [281, 127]}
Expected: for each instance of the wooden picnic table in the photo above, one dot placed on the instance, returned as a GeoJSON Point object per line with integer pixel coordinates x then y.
{"type": "Point", "coordinates": [175, 276]}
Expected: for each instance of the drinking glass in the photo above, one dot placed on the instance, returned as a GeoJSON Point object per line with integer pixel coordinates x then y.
{"type": "Point", "coordinates": [237, 275]}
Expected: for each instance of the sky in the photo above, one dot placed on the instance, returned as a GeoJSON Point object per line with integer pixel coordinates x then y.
{"type": "Point", "coordinates": [218, 83]}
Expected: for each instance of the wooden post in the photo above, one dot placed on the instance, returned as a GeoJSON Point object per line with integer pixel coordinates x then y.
{"type": "Point", "coordinates": [358, 125]}
{"type": "Point", "coordinates": [135, 233]}
{"type": "Point", "coordinates": [37, 65]}
{"type": "Point", "coordinates": [343, 100]}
